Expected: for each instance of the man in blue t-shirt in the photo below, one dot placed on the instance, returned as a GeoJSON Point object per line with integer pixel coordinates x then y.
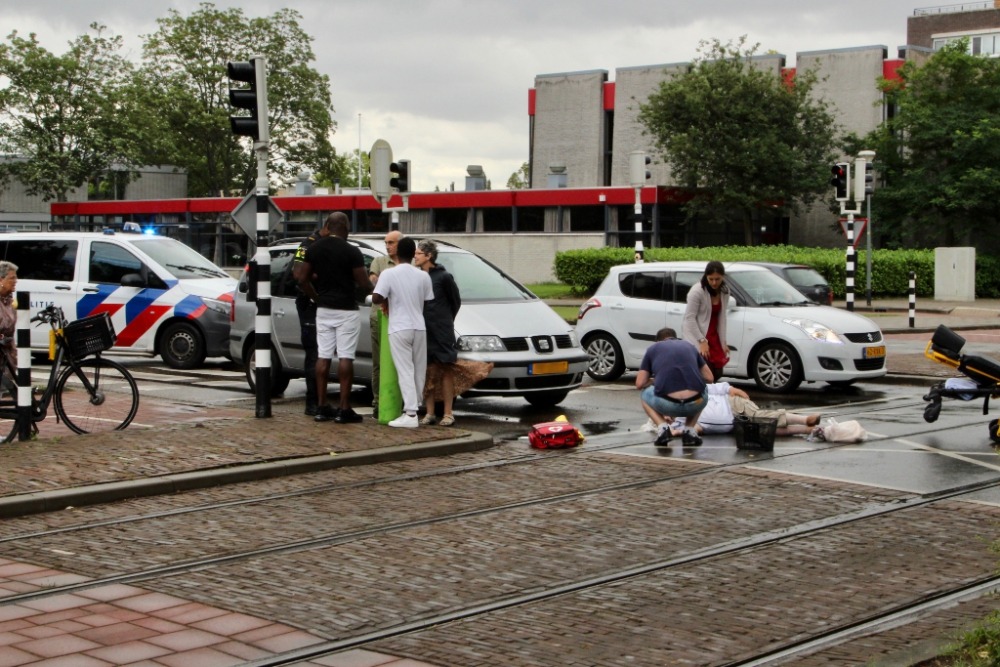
{"type": "Point", "coordinates": [673, 379]}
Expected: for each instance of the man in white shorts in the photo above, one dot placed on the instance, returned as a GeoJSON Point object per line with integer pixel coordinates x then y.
{"type": "Point", "coordinates": [725, 401]}
{"type": "Point", "coordinates": [405, 289]}
{"type": "Point", "coordinates": [331, 269]}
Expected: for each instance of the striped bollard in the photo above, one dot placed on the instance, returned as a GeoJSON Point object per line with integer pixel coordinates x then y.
{"type": "Point", "coordinates": [262, 325]}
{"type": "Point", "coordinates": [913, 299]}
{"type": "Point", "coordinates": [850, 263]}
{"type": "Point", "coordinates": [23, 341]}
{"type": "Point", "coordinates": [639, 252]}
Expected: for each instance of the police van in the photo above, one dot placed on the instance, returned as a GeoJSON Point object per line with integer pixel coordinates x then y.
{"type": "Point", "coordinates": [163, 297]}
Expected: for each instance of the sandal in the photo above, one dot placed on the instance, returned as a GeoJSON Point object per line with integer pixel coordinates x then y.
{"type": "Point", "coordinates": [812, 420]}
{"type": "Point", "coordinates": [447, 420]}
{"type": "Point", "coordinates": [428, 420]}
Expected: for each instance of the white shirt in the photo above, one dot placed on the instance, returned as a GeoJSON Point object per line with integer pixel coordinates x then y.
{"type": "Point", "coordinates": [717, 417]}
{"type": "Point", "coordinates": [406, 288]}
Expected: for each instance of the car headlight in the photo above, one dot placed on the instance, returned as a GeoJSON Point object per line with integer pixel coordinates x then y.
{"type": "Point", "coordinates": [480, 344]}
{"type": "Point", "coordinates": [217, 305]}
{"type": "Point", "coordinates": [815, 330]}
{"type": "Point", "coordinates": [573, 341]}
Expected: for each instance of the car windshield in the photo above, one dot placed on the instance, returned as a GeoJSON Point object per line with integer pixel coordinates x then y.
{"type": "Point", "coordinates": [805, 277]}
{"type": "Point", "coordinates": [479, 281]}
{"type": "Point", "coordinates": [767, 289]}
{"type": "Point", "coordinates": [182, 261]}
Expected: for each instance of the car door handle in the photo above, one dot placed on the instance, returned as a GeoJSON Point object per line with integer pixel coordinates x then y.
{"type": "Point", "coordinates": [63, 287]}
{"type": "Point", "coordinates": [279, 313]}
{"type": "Point", "coordinates": [617, 306]}
{"type": "Point", "coordinates": [91, 289]}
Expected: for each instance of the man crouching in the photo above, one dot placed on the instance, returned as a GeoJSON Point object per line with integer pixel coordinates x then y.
{"type": "Point", "coordinates": [677, 388]}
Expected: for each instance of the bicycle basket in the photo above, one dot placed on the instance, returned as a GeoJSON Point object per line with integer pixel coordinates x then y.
{"type": "Point", "coordinates": [756, 433]}
{"type": "Point", "coordinates": [90, 335]}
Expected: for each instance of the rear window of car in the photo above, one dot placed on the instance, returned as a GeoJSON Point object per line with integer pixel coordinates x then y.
{"type": "Point", "coordinates": [41, 260]}
{"type": "Point", "coordinates": [805, 277]}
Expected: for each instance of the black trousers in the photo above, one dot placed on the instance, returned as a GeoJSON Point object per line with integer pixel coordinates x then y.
{"type": "Point", "coordinates": [307, 320]}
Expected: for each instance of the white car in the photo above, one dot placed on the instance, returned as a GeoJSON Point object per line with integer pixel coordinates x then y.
{"type": "Point", "coordinates": [775, 334]}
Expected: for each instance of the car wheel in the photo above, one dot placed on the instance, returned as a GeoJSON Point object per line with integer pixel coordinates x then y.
{"type": "Point", "coordinates": [182, 346]}
{"type": "Point", "coordinates": [776, 368]}
{"type": "Point", "coordinates": [279, 380]}
{"type": "Point", "coordinates": [841, 384]}
{"type": "Point", "coordinates": [606, 360]}
{"type": "Point", "coordinates": [546, 399]}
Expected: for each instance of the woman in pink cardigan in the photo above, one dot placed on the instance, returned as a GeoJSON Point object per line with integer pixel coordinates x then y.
{"type": "Point", "coordinates": [705, 318]}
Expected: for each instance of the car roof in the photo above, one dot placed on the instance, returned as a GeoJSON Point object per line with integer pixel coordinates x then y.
{"type": "Point", "coordinates": [779, 265]}
{"type": "Point", "coordinates": [685, 266]}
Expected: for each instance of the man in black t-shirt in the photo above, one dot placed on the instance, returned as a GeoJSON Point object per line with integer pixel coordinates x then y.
{"type": "Point", "coordinates": [337, 267]}
{"type": "Point", "coordinates": [307, 322]}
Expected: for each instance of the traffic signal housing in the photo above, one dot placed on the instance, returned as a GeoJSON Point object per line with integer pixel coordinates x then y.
{"type": "Point", "coordinates": [401, 181]}
{"type": "Point", "coordinates": [253, 99]}
{"type": "Point", "coordinates": [841, 180]}
{"type": "Point", "coordinates": [863, 179]}
{"type": "Point", "coordinates": [637, 163]}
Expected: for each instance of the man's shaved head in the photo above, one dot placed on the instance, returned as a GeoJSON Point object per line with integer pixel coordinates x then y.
{"type": "Point", "coordinates": [338, 224]}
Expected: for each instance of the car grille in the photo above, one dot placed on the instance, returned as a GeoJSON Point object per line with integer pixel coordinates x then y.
{"type": "Point", "coordinates": [490, 384]}
{"type": "Point", "coordinates": [563, 342]}
{"type": "Point", "coordinates": [876, 336]}
{"type": "Point", "coordinates": [543, 381]}
{"type": "Point", "coordinates": [869, 364]}
{"type": "Point", "coordinates": [515, 344]}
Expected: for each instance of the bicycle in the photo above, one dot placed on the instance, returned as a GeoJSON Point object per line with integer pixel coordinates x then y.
{"type": "Point", "coordinates": [91, 394]}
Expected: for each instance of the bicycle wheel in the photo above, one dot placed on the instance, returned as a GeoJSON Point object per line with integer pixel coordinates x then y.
{"type": "Point", "coordinates": [107, 401]}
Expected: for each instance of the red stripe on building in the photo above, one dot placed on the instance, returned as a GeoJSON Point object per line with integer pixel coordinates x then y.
{"type": "Point", "coordinates": [213, 205]}
{"type": "Point", "coordinates": [788, 74]}
{"type": "Point", "coordinates": [531, 101]}
{"type": "Point", "coordinates": [890, 69]}
{"type": "Point", "coordinates": [140, 325]}
{"type": "Point", "coordinates": [609, 96]}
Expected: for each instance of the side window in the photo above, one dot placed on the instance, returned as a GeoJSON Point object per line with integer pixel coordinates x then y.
{"type": "Point", "coordinates": [684, 283]}
{"type": "Point", "coordinates": [625, 283]}
{"type": "Point", "coordinates": [109, 263]}
{"type": "Point", "coordinates": [648, 286]}
{"type": "Point", "coordinates": [42, 260]}
{"type": "Point", "coordinates": [281, 264]}
{"type": "Point", "coordinates": [358, 293]}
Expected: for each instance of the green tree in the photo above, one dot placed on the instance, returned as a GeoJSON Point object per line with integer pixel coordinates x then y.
{"type": "Point", "coordinates": [938, 155]}
{"type": "Point", "coordinates": [345, 167]}
{"type": "Point", "coordinates": [519, 179]}
{"type": "Point", "coordinates": [187, 97]}
{"type": "Point", "coordinates": [66, 118]}
{"type": "Point", "coordinates": [743, 136]}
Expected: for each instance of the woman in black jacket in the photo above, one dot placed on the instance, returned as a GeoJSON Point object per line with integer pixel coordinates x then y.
{"type": "Point", "coordinates": [439, 318]}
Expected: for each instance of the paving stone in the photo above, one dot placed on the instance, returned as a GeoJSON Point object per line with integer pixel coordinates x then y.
{"type": "Point", "coordinates": [129, 652]}
{"type": "Point", "coordinates": [51, 647]}
{"type": "Point", "coordinates": [118, 633]}
{"type": "Point", "coordinates": [185, 640]}
{"type": "Point", "coordinates": [202, 657]}
{"type": "Point", "coordinates": [10, 657]}
{"type": "Point", "coordinates": [356, 658]}
{"type": "Point", "coordinates": [111, 592]}
{"type": "Point", "coordinates": [287, 642]}
{"type": "Point", "coordinates": [8, 638]}
{"type": "Point", "coordinates": [149, 602]}
{"type": "Point", "coordinates": [56, 603]}
{"type": "Point", "coordinates": [159, 625]}
{"type": "Point", "coordinates": [41, 632]}
{"type": "Point", "coordinates": [12, 612]}
{"type": "Point", "coordinates": [75, 660]}
{"type": "Point", "coordinates": [241, 650]}
{"type": "Point", "coordinates": [64, 615]}
{"type": "Point", "coordinates": [262, 633]}
{"type": "Point", "coordinates": [230, 624]}
{"type": "Point", "coordinates": [99, 620]}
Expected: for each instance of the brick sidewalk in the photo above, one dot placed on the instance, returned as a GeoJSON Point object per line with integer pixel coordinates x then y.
{"type": "Point", "coordinates": [60, 462]}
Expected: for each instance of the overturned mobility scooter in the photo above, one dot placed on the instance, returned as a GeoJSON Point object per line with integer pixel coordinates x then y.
{"type": "Point", "coordinates": [946, 348]}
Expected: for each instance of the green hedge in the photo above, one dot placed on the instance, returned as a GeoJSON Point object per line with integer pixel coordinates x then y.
{"type": "Point", "coordinates": [585, 269]}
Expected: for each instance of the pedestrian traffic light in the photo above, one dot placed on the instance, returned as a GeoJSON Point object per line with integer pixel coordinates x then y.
{"type": "Point", "coordinates": [379, 165]}
{"type": "Point", "coordinates": [863, 179]}
{"type": "Point", "coordinates": [841, 180]}
{"type": "Point", "coordinates": [402, 179]}
{"type": "Point", "coordinates": [254, 99]}
{"type": "Point", "coordinates": [637, 163]}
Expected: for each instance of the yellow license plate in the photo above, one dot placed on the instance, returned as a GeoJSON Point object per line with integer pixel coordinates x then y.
{"type": "Point", "coordinates": [874, 352]}
{"type": "Point", "coordinates": [548, 368]}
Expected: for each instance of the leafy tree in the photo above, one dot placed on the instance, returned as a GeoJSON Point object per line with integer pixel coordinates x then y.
{"type": "Point", "coordinates": [519, 179]}
{"type": "Point", "coordinates": [345, 167]}
{"type": "Point", "coordinates": [187, 97]}
{"type": "Point", "coordinates": [743, 136]}
{"type": "Point", "coordinates": [66, 117]}
{"type": "Point", "coordinates": [938, 154]}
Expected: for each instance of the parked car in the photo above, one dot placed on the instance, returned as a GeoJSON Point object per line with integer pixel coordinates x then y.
{"type": "Point", "coordinates": [805, 279]}
{"type": "Point", "coordinates": [535, 353]}
{"type": "Point", "coordinates": [163, 297]}
{"type": "Point", "coordinates": [775, 335]}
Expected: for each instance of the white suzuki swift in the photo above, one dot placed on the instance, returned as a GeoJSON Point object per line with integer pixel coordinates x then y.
{"type": "Point", "coordinates": [776, 335]}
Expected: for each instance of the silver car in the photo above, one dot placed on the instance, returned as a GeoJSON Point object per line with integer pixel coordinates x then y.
{"type": "Point", "coordinates": [534, 352]}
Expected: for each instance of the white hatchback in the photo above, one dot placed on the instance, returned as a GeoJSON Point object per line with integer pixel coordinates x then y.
{"type": "Point", "coordinates": [776, 335]}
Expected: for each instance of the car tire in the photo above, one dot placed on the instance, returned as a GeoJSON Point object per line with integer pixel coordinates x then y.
{"type": "Point", "coordinates": [182, 346]}
{"type": "Point", "coordinates": [841, 384]}
{"type": "Point", "coordinates": [606, 360]}
{"type": "Point", "coordinates": [776, 368]}
{"type": "Point", "coordinates": [279, 380]}
{"type": "Point", "coordinates": [546, 399]}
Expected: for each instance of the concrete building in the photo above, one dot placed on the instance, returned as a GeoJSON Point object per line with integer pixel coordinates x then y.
{"type": "Point", "coordinates": [933, 27]}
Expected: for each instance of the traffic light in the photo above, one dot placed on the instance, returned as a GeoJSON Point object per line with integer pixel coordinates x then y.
{"type": "Point", "coordinates": [637, 163]}
{"type": "Point", "coordinates": [841, 180]}
{"type": "Point", "coordinates": [379, 161]}
{"type": "Point", "coordinates": [402, 179]}
{"type": "Point", "coordinates": [254, 99]}
{"type": "Point", "coordinates": [863, 179]}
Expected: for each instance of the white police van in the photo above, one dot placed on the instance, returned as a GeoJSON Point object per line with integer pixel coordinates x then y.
{"type": "Point", "coordinates": [162, 296]}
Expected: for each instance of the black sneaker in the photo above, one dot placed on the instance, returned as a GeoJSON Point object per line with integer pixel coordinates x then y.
{"type": "Point", "coordinates": [690, 440]}
{"type": "Point", "coordinates": [664, 438]}
{"type": "Point", "coordinates": [326, 413]}
{"type": "Point", "coordinates": [348, 416]}
{"type": "Point", "coordinates": [311, 409]}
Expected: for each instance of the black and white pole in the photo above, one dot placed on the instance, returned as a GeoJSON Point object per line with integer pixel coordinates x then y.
{"type": "Point", "coordinates": [23, 341]}
{"type": "Point", "coordinates": [262, 324]}
{"type": "Point", "coordinates": [850, 261]}
{"type": "Point", "coordinates": [394, 221]}
{"type": "Point", "coordinates": [913, 299]}
{"type": "Point", "coordinates": [639, 252]}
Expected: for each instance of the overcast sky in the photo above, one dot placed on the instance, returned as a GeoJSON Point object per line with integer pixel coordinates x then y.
{"type": "Point", "coordinates": [445, 81]}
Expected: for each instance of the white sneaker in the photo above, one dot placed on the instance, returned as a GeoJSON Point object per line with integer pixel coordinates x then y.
{"type": "Point", "coordinates": [405, 421]}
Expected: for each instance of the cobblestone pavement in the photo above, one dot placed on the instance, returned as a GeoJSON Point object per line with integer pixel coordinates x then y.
{"type": "Point", "coordinates": [61, 462]}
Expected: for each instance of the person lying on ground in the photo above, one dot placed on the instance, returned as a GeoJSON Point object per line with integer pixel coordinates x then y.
{"type": "Point", "coordinates": [726, 401]}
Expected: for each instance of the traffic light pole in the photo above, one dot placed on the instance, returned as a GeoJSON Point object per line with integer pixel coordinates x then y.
{"type": "Point", "coordinates": [262, 339]}
{"type": "Point", "coordinates": [850, 262]}
{"type": "Point", "coordinates": [639, 253]}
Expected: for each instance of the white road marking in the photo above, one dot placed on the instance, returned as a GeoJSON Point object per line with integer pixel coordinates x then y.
{"type": "Point", "coordinates": [953, 455]}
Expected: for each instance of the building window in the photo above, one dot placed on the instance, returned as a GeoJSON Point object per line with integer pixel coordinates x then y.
{"type": "Point", "coordinates": [530, 219]}
{"type": "Point", "coordinates": [373, 222]}
{"type": "Point", "coordinates": [609, 134]}
{"type": "Point", "coordinates": [450, 220]}
{"type": "Point", "coordinates": [499, 219]}
{"type": "Point", "coordinates": [586, 218]}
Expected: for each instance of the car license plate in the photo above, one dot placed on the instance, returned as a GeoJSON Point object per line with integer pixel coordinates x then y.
{"type": "Point", "coordinates": [548, 368]}
{"type": "Point", "coordinates": [874, 352]}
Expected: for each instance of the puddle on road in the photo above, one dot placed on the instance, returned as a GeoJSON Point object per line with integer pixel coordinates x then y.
{"type": "Point", "coordinates": [599, 428]}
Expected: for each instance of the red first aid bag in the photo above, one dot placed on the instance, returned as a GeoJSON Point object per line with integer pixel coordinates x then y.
{"type": "Point", "coordinates": [553, 435]}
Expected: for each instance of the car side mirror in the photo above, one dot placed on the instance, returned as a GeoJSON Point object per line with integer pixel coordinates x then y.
{"type": "Point", "coordinates": [732, 302]}
{"type": "Point", "coordinates": [368, 300]}
{"type": "Point", "coordinates": [133, 280]}
{"type": "Point", "coordinates": [243, 287]}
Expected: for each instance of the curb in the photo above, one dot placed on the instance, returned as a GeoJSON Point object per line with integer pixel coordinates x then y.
{"type": "Point", "coordinates": [94, 494]}
{"type": "Point", "coordinates": [960, 327]}
{"type": "Point", "coordinates": [899, 378]}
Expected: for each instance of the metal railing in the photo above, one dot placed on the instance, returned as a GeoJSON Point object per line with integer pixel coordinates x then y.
{"type": "Point", "coordinates": [947, 9]}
